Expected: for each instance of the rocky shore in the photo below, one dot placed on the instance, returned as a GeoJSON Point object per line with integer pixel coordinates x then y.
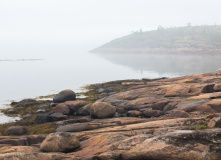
{"type": "Point", "coordinates": [158, 119]}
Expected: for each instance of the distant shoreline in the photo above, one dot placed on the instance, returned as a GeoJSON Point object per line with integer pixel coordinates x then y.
{"type": "Point", "coordinates": [156, 50]}
{"type": "Point", "coordinates": [20, 59]}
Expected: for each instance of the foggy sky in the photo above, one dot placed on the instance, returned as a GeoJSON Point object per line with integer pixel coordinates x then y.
{"type": "Point", "coordinates": [35, 25]}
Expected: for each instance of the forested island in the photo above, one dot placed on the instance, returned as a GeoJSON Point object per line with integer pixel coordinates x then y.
{"type": "Point", "coordinates": [206, 38]}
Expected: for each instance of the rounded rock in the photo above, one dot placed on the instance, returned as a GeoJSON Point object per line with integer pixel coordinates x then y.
{"type": "Point", "coordinates": [102, 110]}
{"type": "Point", "coordinates": [60, 142]}
{"type": "Point", "coordinates": [43, 118]}
{"type": "Point", "coordinates": [62, 108]}
{"type": "Point", "coordinates": [65, 95]}
{"type": "Point", "coordinates": [16, 130]}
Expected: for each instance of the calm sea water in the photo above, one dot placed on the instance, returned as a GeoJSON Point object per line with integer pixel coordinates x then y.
{"type": "Point", "coordinates": [30, 78]}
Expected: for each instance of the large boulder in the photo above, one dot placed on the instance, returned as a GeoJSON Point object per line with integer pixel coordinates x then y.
{"type": "Point", "coordinates": [62, 108]}
{"type": "Point", "coordinates": [102, 110]}
{"type": "Point", "coordinates": [16, 130]}
{"type": "Point", "coordinates": [65, 95]}
{"type": "Point", "coordinates": [60, 142]}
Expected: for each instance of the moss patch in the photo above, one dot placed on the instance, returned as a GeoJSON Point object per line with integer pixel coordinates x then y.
{"type": "Point", "coordinates": [199, 126]}
{"type": "Point", "coordinates": [90, 94]}
{"type": "Point", "coordinates": [31, 127]}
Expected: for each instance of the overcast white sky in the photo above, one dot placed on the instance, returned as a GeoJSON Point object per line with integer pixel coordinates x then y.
{"type": "Point", "coordinates": [91, 23]}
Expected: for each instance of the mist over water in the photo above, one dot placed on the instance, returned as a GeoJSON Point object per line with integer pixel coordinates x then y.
{"type": "Point", "coordinates": [44, 44]}
{"type": "Point", "coordinates": [29, 78]}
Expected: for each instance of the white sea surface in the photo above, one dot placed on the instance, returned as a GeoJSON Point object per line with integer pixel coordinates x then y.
{"type": "Point", "coordinates": [45, 74]}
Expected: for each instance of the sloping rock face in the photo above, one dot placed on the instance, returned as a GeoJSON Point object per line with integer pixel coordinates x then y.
{"type": "Point", "coordinates": [180, 144]}
{"type": "Point", "coordinates": [192, 94]}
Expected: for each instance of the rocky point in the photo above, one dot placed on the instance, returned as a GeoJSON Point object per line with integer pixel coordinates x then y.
{"type": "Point", "coordinates": [158, 119]}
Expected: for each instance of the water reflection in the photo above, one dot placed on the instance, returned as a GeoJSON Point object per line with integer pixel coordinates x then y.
{"type": "Point", "coordinates": [170, 63]}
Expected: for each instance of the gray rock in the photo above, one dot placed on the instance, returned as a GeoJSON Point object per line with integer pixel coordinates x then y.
{"type": "Point", "coordinates": [11, 111]}
{"type": "Point", "coordinates": [26, 102]}
{"type": "Point", "coordinates": [16, 130]}
{"type": "Point", "coordinates": [44, 107]}
{"type": "Point", "coordinates": [14, 103]}
{"type": "Point", "coordinates": [26, 116]}
{"type": "Point", "coordinates": [103, 95]}
{"type": "Point", "coordinates": [43, 118]}
{"type": "Point", "coordinates": [77, 127]}
{"type": "Point", "coordinates": [58, 117]}
{"type": "Point", "coordinates": [111, 93]}
{"type": "Point", "coordinates": [101, 90]}
{"type": "Point", "coordinates": [108, 90]}
{"type": "Point", "coordinates": [52, 104]}
{"type": "Point", "coordinates": [40, 111]}
{"type": "Point", "coordinates": [60, 142]}
{"type": "Point", "coordinates": [65, 95]}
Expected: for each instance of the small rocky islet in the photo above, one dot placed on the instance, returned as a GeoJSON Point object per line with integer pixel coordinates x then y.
{"type": "Point", "coordinates": [157, 119]}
